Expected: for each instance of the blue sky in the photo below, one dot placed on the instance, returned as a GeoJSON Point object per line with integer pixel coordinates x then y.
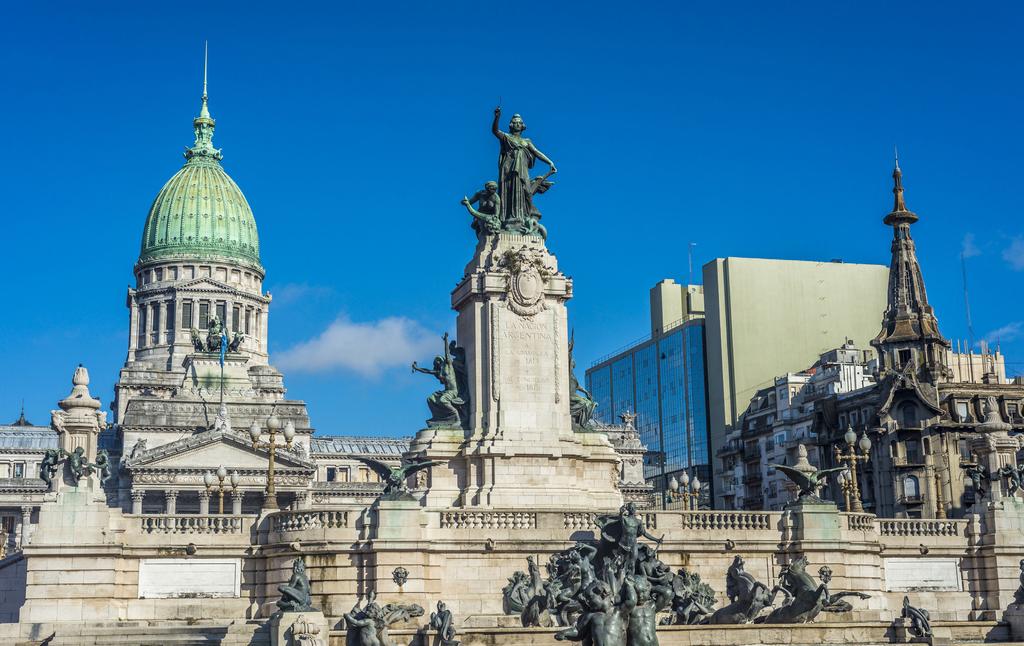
{"type": "Point", "coordinates": [753, 129]}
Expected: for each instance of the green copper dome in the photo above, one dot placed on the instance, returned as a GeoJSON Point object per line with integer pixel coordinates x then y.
{"type": "Point", "coordinates": [200, 213]}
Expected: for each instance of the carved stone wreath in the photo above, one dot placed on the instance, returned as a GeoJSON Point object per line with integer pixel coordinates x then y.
{"type": "Point", "coordinates": [528, 274]}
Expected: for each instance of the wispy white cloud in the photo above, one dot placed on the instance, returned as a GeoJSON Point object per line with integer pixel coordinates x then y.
{"type": "Point", "coordinates": [1006, 333]}
{"type": "Point", "coordinates": [294, 292]}
{"type": "Point", "coordinates": [366, 348]}
{"type": "Point", "coordinates": [969, 248]}
{"type": "Point", "coordinates": [1014, 254]}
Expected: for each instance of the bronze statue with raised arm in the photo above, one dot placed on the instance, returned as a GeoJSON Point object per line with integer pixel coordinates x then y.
{"type": "Point", "coordinates": [515, 187]}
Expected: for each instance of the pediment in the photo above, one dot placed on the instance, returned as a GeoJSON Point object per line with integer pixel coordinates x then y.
{"type": "Point", "coordinates": [210, 449]}
{"type": "Point", "coordinates": [204, 283]}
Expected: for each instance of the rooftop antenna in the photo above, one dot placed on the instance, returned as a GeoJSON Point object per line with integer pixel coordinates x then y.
{"type": "Point", "coordinates": [967, 302]}
{"type": "Point", "coordinates": [689, 253]}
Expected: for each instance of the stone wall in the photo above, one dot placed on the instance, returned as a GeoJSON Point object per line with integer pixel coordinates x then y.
{"type": "Point", "coordinates": [957, 569]}
{"type": "Point", "coordinates": [12, 587]}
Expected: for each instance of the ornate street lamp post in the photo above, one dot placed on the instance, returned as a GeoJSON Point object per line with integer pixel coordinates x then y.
{"type": "Point", "coordinates": [684, 488]}
{"type": "Point", "coordinates": [940, 504]}
{"type": "Point", "coordinates": [850, 459]}
{"type": "Point", "coordinates": [687, 489]}
{"type": "Point", "coordinates": [273, 426]}
{"type": "Point", "coordinates": [222, 474]}
{"type": "Point", "coordinates": [673, 489]}
{"type": "Point", "coordinates": [844, 486]}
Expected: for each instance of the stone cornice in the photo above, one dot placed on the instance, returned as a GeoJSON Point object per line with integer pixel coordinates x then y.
{"type": "Point", "coordinates": [22, 486]}
{"type": "Point", "coordinates": [278, 470]}
{"type": "Point", "coordinates": [144, 294]}
{"type": "Point", "coordinates": [1010, 392]}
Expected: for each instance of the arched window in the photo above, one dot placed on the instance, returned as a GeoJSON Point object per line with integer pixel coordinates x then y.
{"type": "Point", "coordinates": [911, 487]}
{"type": "Point", "coordinates": [908, 413]}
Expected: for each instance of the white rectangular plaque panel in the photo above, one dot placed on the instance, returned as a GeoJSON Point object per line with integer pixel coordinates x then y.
{"type": "Point", "coordinates": [911, 574]}
{"type": "Point", "coordinates": [189, 578]}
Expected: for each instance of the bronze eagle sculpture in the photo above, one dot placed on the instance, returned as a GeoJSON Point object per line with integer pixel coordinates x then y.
{"type": "Point", "coordinates": [807, 481]}
{"type": "Point", "coordinates": [394, 478]}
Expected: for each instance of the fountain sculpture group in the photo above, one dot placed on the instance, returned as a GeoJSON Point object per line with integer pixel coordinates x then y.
{"type": "Point", "coordinates": [612, 592]}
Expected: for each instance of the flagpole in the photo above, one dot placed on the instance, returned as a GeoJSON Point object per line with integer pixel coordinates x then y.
{"type": "Point", "coordinates": [223, 351]}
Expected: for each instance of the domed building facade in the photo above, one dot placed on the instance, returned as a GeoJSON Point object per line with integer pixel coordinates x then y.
{"type": "Point", "coordinates": [197, 374]}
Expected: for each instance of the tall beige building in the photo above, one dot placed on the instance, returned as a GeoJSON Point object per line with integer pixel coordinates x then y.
{"type": "Point", "coordinates": [769, 317]}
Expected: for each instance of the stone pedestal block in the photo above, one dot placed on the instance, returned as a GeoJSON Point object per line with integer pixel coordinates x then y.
{"type": "Point", "coordinates": [815, 521]}
{"type": "Point", "coordinates": [442, 482]}
{"type": "Point", "coordinates": [298, 629]}
{"type": "Point", "coordinates": [1014, 616]}
{"type": "Point", "coordinates": [398, 519]}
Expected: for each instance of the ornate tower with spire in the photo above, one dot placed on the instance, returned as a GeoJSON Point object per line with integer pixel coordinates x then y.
{"type": "Point", "coordinates": [910, 341]}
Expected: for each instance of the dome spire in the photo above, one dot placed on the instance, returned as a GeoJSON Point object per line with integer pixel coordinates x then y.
{"type": "Point", "coordinates": [202, 150]}
{"type": "Point", "coordinates": [205, 111]}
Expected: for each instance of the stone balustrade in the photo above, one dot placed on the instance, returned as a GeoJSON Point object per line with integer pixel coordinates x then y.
{"type": "Point", "coordinates": [297, 521]}
{"type": "Point", "coordinates": [729, 520]}
{"type": "Point", "coordinates": [194, 524]}
{"type": "Point", "coordinates": [488, 520]}
{"type": "Point", "coordinates": [578, 520]}
{"type": "Point", "coordinates": [860, 522]}
{"type": "Point", "coordinates": [574, 521]}
{"type": "Point", "coordinates": [916, 527]}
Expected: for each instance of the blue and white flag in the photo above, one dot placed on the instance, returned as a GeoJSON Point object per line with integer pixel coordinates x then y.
{"type": "Point", "coordinates": [223, 345]}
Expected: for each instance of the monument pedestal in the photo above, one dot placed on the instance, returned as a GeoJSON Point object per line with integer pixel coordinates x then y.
{"type": "Point", "coordinates": [517, 447]}
{"type": "Point", "coordinates": [307, 628]}
{"type": "Point", "coordinates": [76, 569]}
{"type": "Point", "coordinates": [1001, 515]}
{"type": "Point", "coordinates": [999, 556]}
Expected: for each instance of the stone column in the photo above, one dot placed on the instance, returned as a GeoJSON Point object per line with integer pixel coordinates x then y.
{"type": "Point", "coordinates": [137, 496]}
{"type": "Point", "coordinates": [264, 327]}
{"type": "Point", "coordinates": [236, 502]}
{"type": "Point", "coordinates": [171, 320]}
{"type": "Point", "coordinates": [26, 521]}
{"type": "Point", "coordinates": [170, 502]}
{"type": "Point", "coordinates": [133, 325]}
{"type": "Point", "coordinates": [179, 324]}
{"type": "Point", "coordinates": [204, 502]}
{"type": "Point", "coordinates": [161, 311]}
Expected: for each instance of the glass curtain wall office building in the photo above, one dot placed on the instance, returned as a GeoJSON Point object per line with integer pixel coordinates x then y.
{"type": "Point", "coordinates": [662, 380]}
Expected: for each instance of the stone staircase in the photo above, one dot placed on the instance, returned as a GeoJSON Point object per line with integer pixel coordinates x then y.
{"type": "Point", "coordinates": [252, 633]}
